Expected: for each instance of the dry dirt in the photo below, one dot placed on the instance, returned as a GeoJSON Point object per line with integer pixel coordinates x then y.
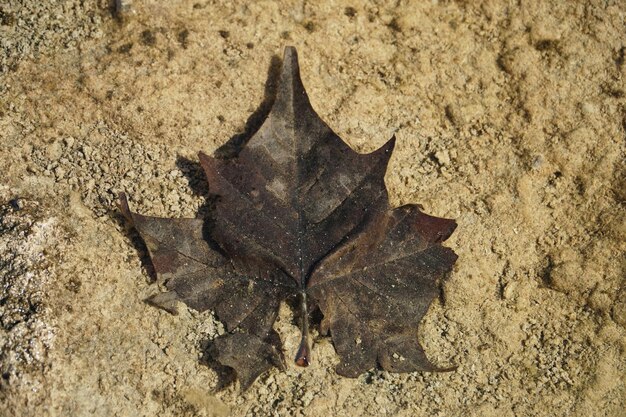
{"type": "Point", "coordinates": [510, 118]}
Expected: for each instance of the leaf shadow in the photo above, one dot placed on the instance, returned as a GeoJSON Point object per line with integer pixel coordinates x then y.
{"type": "Point", "coordinates": [192, 170]}
{"type": "Point", "coordinates": [197, 181]}
{"type": "Point", "coordinates": [226, 376]}
{"type": "Point", "coordinates": [138, 243]}
{"type": "Point", "coordinates": [233, 146]}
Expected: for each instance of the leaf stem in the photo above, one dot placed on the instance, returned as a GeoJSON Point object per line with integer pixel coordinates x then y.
{"type": "Point", "coordinates": [304, 350]}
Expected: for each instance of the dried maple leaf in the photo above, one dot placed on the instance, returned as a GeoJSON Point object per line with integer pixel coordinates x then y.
{"type": "Point", "coordinates": [300, 214]}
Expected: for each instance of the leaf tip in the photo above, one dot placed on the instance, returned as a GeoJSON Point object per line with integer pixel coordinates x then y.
{"type": "Point", "coordinates": [202, 156]}
{"type": "Point", "coordinates": [291, 93]}
{"type": "Point", "coordinates": [390, 144]}
{"type": "Point", "coordinates": [166, 301]}
{"type": "Point", "coordinates": [448, 368]}
{"type": "Point", "coordinates": [209, 164]}
{"type": "Point", "coordinates": [443, 227]}
{"type": "Point", "coordinates": [290, 56]}
{"type": "Point", "coordinates": [384, 152]}
{"type": "Point", "coordinates": [290, 72]}
{"type": "Point", "coordinates": [122, 205]}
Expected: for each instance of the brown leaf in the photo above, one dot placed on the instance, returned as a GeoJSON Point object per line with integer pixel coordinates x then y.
{"type": "Point", "coordinates": [374, 289]}
{"type": "Point", "coordinates": [202, 278]}
{"type": "Point", "coordinates": [301, 214]}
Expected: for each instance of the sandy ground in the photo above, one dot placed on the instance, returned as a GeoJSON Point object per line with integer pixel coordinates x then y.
{"type": "Point", "coordinates": [510, 118]}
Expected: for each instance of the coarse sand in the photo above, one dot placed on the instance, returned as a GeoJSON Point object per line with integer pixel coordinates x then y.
{"type": "Point", "coordinates": [510, 118]}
